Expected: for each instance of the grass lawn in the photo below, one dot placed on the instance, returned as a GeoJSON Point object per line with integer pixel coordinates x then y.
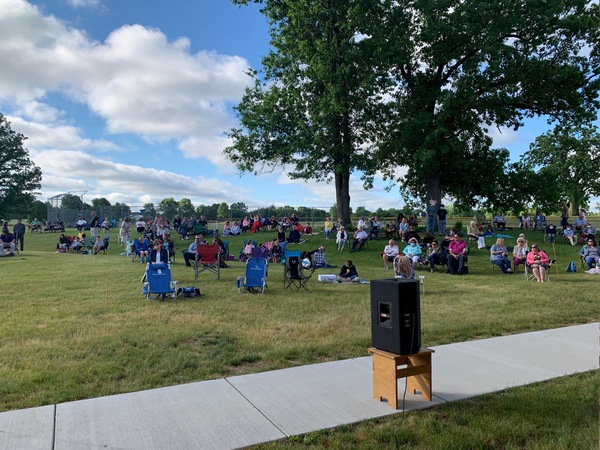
{"type": "Point", "coordinates": [77, 326]}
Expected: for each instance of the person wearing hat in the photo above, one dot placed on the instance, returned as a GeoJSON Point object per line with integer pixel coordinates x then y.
{"type": "Point", "coordinates": [192, 252]}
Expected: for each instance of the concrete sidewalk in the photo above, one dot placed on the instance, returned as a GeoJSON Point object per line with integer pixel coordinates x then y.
{"type": "Point", "coordinates": [250, 409]}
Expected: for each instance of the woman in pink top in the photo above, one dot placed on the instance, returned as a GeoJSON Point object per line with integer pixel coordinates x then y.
{"type": "Point", "coordinates": [539, 262]}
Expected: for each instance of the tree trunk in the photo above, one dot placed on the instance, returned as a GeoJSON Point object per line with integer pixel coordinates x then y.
{"type": "Point", "coordinates": [433, 188]}
{"type": "Point", "coordinates": [342, 197]}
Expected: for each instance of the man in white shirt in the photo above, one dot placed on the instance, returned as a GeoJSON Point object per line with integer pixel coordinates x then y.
{"type": "Point", "coordinates": [360, 237]}
{"type": "Point", "coordinates": [389, 253]}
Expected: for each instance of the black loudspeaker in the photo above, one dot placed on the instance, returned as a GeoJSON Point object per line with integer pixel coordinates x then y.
{"type": "Point", "coordinates": [396, 315]}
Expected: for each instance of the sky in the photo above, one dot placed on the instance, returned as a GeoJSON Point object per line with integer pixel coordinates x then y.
{"type": "Point", "coordinates": [130, 100]}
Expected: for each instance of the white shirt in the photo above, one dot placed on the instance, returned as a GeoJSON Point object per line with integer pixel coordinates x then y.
{"type": "Point", "coordinates": [391, 250]}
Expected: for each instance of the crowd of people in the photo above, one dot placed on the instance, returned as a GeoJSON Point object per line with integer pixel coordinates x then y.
{"type": "Point", "coordinates": [449, 250]}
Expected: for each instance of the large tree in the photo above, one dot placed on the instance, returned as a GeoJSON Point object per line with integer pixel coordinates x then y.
{"type": "Point", "coordinates": [19, 176]}
{"type": "Point", "coordinates": [568, 158]}
{"type": "Point", "coordinates": [456, 67]}
{"type": "Point", "coordinates": [304, 114]}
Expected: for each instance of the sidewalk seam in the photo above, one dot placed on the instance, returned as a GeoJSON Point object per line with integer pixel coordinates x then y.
{"type": "Point", "coordinates": [254, 406]}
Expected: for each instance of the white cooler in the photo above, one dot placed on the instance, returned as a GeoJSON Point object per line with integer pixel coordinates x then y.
{"type": "Point", "coordinates": [327, 278]}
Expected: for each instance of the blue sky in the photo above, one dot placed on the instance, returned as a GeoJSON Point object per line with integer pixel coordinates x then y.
{"type": "Point", "coordinates": [130, 99]}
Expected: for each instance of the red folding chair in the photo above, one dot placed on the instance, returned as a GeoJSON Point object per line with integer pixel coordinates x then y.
{"type": "Point", "coordinates": [208, 259]}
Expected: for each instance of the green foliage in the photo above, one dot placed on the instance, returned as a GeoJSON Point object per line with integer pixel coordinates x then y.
{"type": "Point", "coordinates": [223, 211]}
{"type": "Point", "coordinates": [121, 209]}
{"type": "Point", "coordinates": [71, 201]}
{"type": "Point", "coordinates": [567, 161]}
{"type": "Point", "coordinates": [98, 203]}
{"type": "Point", "coordinates": [19, 176]}
{"type": "Point", "coordinates": [186, 208]}
{"type": "Point", "coordinates": [149, 210]}
{"type": "Point", "coordinates": [168, 207]}
{"type": "Point", "coordinates": [458, 226]}
{"type": "Point", "coordinates": [38, 209]}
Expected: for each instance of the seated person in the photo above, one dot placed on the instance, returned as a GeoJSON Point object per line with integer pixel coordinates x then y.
{"type": "Point", "coordinates": [539, 262]}
{"type": "Point", "coordinates": [308, 229]}
{"type": "Point", "coordinates": [141, 246]}
{"type": "Point", "coordinates": [539, 221]}
{"type": "Point", "coordinates": [7, 241]}
{"type": "Point", "coordinates": [255, 228]}
{"type": "Point", "coordinates": [227, 228]}
{"type": "Point", "coordinates": [569, 234]}
{"type": "Point", "coordinates": [348, 273]}
{"type": "Point", "coordinates": [499, 256]}
{"type": "Point", "coordinates": [413, 250]}
{"type": "Point", "coordinates": [98, 244]}
{"type": "Point", "coordinates": [527, 222]}
{"type": "Point", "coordinates": [375, 228]}
{"type": "Point", "coordinates": [149, 234]}
{"type": "Point", "coordinates": [551, 232]}
{"type": "Point", "coordinates": [81, 224]}
{"type": "Point", "coordinates": [192, 252]}
{"type": "Point", "coordinates": [294, 236]}
{"type": "Point", "coordinates": [590, 253]}
{"type": "Point", "coordinates": [235, 229]}
{"type": "Point", "coordinates": [403, 267]}
{"type": "Point", "coordinates": [473, 231]}
{"type": "Point", "coordinates": [158, 254]}
{"type": "Point", "coordinates": [436, 255]}
{"type": "Point", "coordinates": [390, 252]}
{"type": "Point", "coordinates": [412, 234]}
{"type": "Point", "coordinates": [341, 238]}
{"type": "Point", "coordinates": [579, 222]}
{"type": "Point", "coordinates": [168, 245]}
{"type": "Point", "coordinates": [428, 238]}
{"type": "Point", "coordinates": [105, 224]}
{"type": "Point", "coordinates": [489, 232]}
{"type": "Point", "coordinates": [390, 230]}
{"type": "Point", "coordinates": [248, 249]}
{"type": "Point", "coordinates": [403, 227]}
{"type": "Point", "coordinates": [281, 233]}
{"type": "Point", "coordinates": [76, 245]}
{"type": "Point", "coordinates": [319, 259]}
{"type": "Point", "coordinates": [457, 256]}
{"type": "Point", "coordinates": [182, 231]}
{"type": "Point", "coordinates": [588, 231]}
{"type": "Point", "coordinates": [63, 241]}
{"type": "Point", "coordinates": [499, 221]}
{"type": "Point", "coordinates": [449, 237]}
{"type": "Point", "coordinates": [34, 225]}
{"type": "Point", "coordinates": [520, 252]}
{"type": "Point", "coordinates": [140, 225]}
{"type": "Point", "coordinates": [360, 237]}
{"type": "Point", "coordinates": [275, 253]}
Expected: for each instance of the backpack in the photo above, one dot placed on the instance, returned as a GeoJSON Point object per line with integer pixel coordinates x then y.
{"type": "Point", "coordinates": [571, 267]}
{"type": "Point", "coordinates": [189, 291]}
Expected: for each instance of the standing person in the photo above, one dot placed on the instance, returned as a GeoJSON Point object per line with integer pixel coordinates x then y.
{"type": "Point", "coordinates": [328, 227]}
{"type": "Point", "coordinates": [431, 210]}
{"type": "Point", "coordinates": [348, 272]}
{"type": "Point", "coordinates": [389, 253]}
{"type": "Point", "coordinates": [538, 261]}
{"type": "Point", "coordinates": [499, 256]}
{"type": "Point", "coordinates": [94, 225]}
{"type": "Point", "coordinates": [441, 218]}
{"type": "Point", "coordinates": [124, 233]}
{"type": "Point", "coordinates": [19, 231]}
{"type": "Point", "coordinates": [457, 255]}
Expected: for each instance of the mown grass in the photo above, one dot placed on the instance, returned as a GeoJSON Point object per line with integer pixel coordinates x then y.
{"type": "Point", "coordinates": [77, 326]}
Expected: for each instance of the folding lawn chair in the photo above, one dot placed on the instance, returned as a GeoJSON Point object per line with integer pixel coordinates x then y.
{"type": "Point", "coordinates": [158, 281]}
{"type": "Point", "coordinates": [208, 259]}
{"type": "Point", "coordinates": [255, 279]}
{"type": "Point", "coordinates": [293, 274]}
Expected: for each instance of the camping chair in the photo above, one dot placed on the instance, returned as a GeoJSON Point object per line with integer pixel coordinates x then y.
{"type": "Point", "coordinates": [105, 244]}
{"type": "Point", "coordinates": [287, 253]}
{"type": "Point", "coordinates": [260, 252]}
{"type": "Point", "coordinates": [293, 274]}
{"type": "Point", "coordinates": [158, 281]}
{"type": "Point", "coordinates": [208, 259]}
{"type": "Point", "coordinates": [529, 276]}
{"type": "Point", "coordinates": [255, 279]}
{"type": "Point", "coordinates": [137, 248]}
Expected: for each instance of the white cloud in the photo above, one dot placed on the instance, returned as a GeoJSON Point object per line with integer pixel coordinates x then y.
{"type": "Point", "coordinates": [70, 170]}
{"type": "Point", "coordinates": [57, 136]}
{"type": "Point", "coordinates": [136, 80]}
{"type": "Point", "coordinates": [84, 3]}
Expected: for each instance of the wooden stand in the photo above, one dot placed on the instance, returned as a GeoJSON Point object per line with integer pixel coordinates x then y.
{"type": "Point", "coordinates": [389, 367]}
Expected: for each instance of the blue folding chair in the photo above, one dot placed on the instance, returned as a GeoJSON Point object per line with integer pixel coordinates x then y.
{"type": "Point", "coordinates": [158, 281]}
{"type": "Point", "coordinates": [287, 253]}
{"type": "Point", "coordinates": [255, 279]}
